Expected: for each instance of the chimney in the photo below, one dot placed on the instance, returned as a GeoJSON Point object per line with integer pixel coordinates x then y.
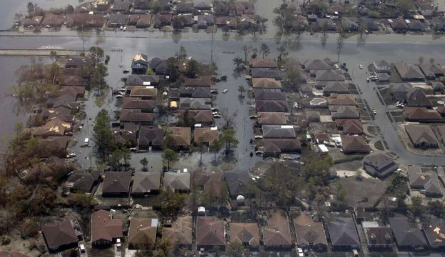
{"type": "Point", "coordinates": [373, 238]}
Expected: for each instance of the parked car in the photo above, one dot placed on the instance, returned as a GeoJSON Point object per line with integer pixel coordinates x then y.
{"type": "Point", "coordinates": [225, 91]}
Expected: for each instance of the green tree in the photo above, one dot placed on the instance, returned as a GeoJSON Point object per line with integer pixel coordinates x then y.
{"type": "Point", "coordinates": [237, 61]}
{"type": "Point", "coordinates": [97, 54]}
{"type": "Point", "coordinates": [228, 139]}
{"type": "Point", "coordinates": [173, 71]}
{"type": "Point", "coordinates": [102, 134]}
{"type": "Point", "coordinates": [416, 206]}
{"type": "Point", "coordinates": [144, 163]}
{"type": "Point", "coordinates": [437, 208]}
{"type": "Point", "coordinates": [292, 73]}
{"type": "Point", "coordinates": [236, 250]}
{"type": "Point", "coordinates": [18, 127]}
{"type": "Point", "coordinates": [192, 68]}
{"type": "Point", "coordinates": [170, 203]}
{"type": "Point", "coordinates": [215, 147]}
{"type": "Point", "coordinates": [265, 50]}
{"type": "Point", "coordinates": [169, 156]}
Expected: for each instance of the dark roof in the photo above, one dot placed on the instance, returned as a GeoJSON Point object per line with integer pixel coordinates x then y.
{"type": "Point", "coordinates": [336, 87]}
{"type": "Point", "coordinates": [421, 114]}
{"type": "Point", "coordinates": [137, 103]}
{"type": "Point", "coordinates": [278, 131]}
{"type": "Point", "coordinates": [277, 232]}
{"type": "Point", "coordinates": [59, 234]}
{"type": "Point", "coordinates": [379, 161]}
{"type": "Point", "coordinates": [343, 232]}
{"type": "Point", "coordinates": [104, 227]}
{"type": "Point", "coordinates": [144, 182]}
{"type": "Point", "coordinates": [263, 63]}
{"type": "Point", "coordinates": [269, 95]}
{"type": "Point", "coordinates": [354, 144]}
{"type": "Point", "coordinates": [415, 97]}
{"type": "Point", "coordinates": [427, 181]}
{"type": "Point", "coordinates": [266, 73]}
{"type": "Point", "coordinates": [350, 126]}
{"type": "Point", "coordinates": [421, 134]}
{"type": "Point", "coordinates": [329, 75]}
{"type": "Point", "coordinates": [135, 115]}
{"type": "Point", "coordinates": [244, 233]}
{"type": "Point", "coordinates": [271, 106]}
{"type": "Point", "coordinates": [316, 65]}
{"type": "Point", "coordinates": [150, 136]}
{"type": "Point", "coordinates": [272, 118]}
{"type": "Point", "coordinates": [308, 231]}
{"type": "Point", "coordinates": [377, 236]}
{"type": "Point", "coordinates": [181, 136]}
{"type": "Point", "coordinates": [204, 81]}
{"type": "Point", "coordinates": [117, 19]}
{"type": "Point", "coordinates": [409, 71]}
{"type": "Point", "coordinates": [195, 92]}
{"type": "Point", "coordinates": [184, 7]}
{"type": "Point", "coordinates": [142, 80]}
{"type": "Point", "coordinates": [346, 112]}
{"type": "Point", "coordinates": [238, 182]}
{"type": "Point", "coordinates": [177, 181]}
{"type": "Point", "coordinates": [82, 181]}
{"type": "Point", "coordinates": [434, 232]}
{"type": "Point", "coordinates": [407, 234]}
{"type": "Point", "coordinates": [116, 182]}
{"type": "Point", "coordinates": [281, 145]}
{"type": "Point", "coordinates": [210, 231]}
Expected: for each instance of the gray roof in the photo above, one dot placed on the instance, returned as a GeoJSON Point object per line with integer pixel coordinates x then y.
{"type": "Point", "coordinates": [177, 181]}
{"type": "Point", "coordinates": [277, 131]}
{"type": "Point", "coordinates": [346, 112]}
{"type": "Point", "coordinates": [316, 65]}
{"type": "Point", "coordinates": [266, 73]}
{"type": "Point", "coordinates": [237, 182]}
{"type": "Point", "coordinates": [116, 182]}
{"type": "Point", "coordinates": [407, 234]}
{"type": "Point", "coordinates": [139, 80]}
{"type": "Point", "coordinates": [329, 75]}
{"type": "Point", "coordinates": [271, 106]}
{"type": "Point", "coordinates": [342, 232]}
{"type": "Point", "coordinates": [416, 97]}
{"type": "Point", "coordinates": [144, 182]}
{"type": "Point", "coordinates": [427, 181]}
{"type": "Point", "coordinates": [336, 87]}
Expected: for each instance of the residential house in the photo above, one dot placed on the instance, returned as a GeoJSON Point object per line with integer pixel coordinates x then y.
{"type": "Point", "coordinates": [85, 21]}
{"type": "Point", "coordinates": [398, 25]}
{"type": "Point", "coordinates": [415, 97]}
{"type": "Point", "coordinates": [272, 106]}
{"type": "Point", "coordinates": [227, 21]}
{"type": "Point", "coordinates": [82, 181]}
{"type": "Point", "coordinates": [146, 106]}
{"type": "Point", "coordinates": [379, 165]}
{"type": "Point", "coordinates": [180, 232]}
{"type": "Point", "coordinates": [150, 137]}
{"type": "Point", "coordinates": [369, 24]}
{"type": "Point", "coordinates": [310, 234]}
{"type": "Point", "coordinates": [136, 116]}
{"type": "Point", "coordinates": [184, 7]}
{"type": "Point", "coordinates": [116, 183]}
{"type": "Point", "coordinates": [244, 7]}
{"type": "Point", "coordinates": [210, 233]}
{"type": "Point", "coordinates": [265, 94]}
{"type": "Point", "coordinates": [142, 233]}
{"type": "Point", "coordinates": [263, 63]}
{"type": "Point", "coordinates": [203, 5]}
{"type": "Point", "coordinates": [52, 21]}
{"type": "Point", "coordinates": [278, 132]}
{"type": "Point", "coordinates": [142, 81]}
{"type": "Point", "coordinates": [181, 136]}
{"type": "Point", "coordinates": [204, 81]}
{"type": "Point", "coordinates": [209, 182]}
{"type": "Point", "coordinates": [266, 83]}
{"type": "Point", "coordinates": [195, 92]}
{"type": "Point", "coordinates": [350, 126]}
{"type": "Point", "coordinates": [117, 20]}
{"type": "Point", "coordinates": [104, 229]}
{"type": "Point", "coordinates": [160, 67]}
{"type": "Point", "coordinates": [140, 21]}
{"type": "Point", "coordinates": [32, 22]}
{"type": "Point", "coordinates": [238, 183]}
{"type": "Point", "coordinates": [247, 234]}
{"type": "Point", "coordinates": [399, 91]}
{"type": "Point", "coordinates": [141, 5]}
{"type": "Point", "coordinates": [336, 101]}
{"type": "Point", "coordinates": [222, 8]}
{"type": "Point", "coordinates": [349, 24]}
{"type": "Point", "coordinates": [53, 128]}
{"type": "Point", "coordinates": [382, 66]}
{"type": "Point", "coordinates": [120, 6]}
{"type": "Point", "coordinates": [409, 72]}
{"type": "Point", "coordinates": [422, 136]}
{"type": "Point", "coordinates": [205, 21]}
{"type": "Point", "coordinates": [325, 24]}
{"type": "Point", "coordinates": [422, 114]}
{"type": "Point", "coordinates": [432, 70]}
{"type": "Point", "coordinates": [316, 65]}
{"type": "Point", "coordinates": [203, 117]}
{"type": "Point", "coordinates": [145, 183]}
{"type": "Point", "coordinates": [378, 238]}
{"type": "Point", "coordinates": [274, 147]}
{"type": "Point", "coordinates": [195, 103]}
{"type": "Point", "coordinates": [162, 20]}
{"type": "Point", "coordinates": [335, 87]}
{"type": "Point", "coordinates": [277, 235]}
{"type": "Point", "coordinates": [354, 144]}
{"type": "Point", "coordinates": [408, 236]}
{"type": "Point", "coordinates": [441, 133]}
{"type": "Point", "coordinates": [346, 112]}
{"type": "Point", "coordinates": [415, 25]}
{"type": "Point", "coordinates": [343, 234]}
{"type": "Point", "coordinates": [434, 232]}
{"type": "Point", "coordinates": [206, 135]}
{"type": "Point", "coordinates": [139, 64]}
{"type": "Point", "coordinates": [271, 118]}
{"type": "Point", "coordinates": [427, 182]}
{"type": "Point", "coordinates": [266, 73]}
{"type": "Point", "coordinates": [60, 235]}
{"type": "Point", "coordinates": [324, 76]}
{"type": "Point", "coordinates": [143, 92]}
{"type": "Point", "coordinates": [177, 181]}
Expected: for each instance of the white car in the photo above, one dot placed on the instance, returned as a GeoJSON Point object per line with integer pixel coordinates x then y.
{"type": "Point", "coordinates": [71, 155]}
{"type": "Point", "coordinates": [216, 116]}
{"type": "Point", "coordinates": [300, 252]}
{"type": "Point", "coordinates": [374, 111]}
{"type": "Point", "coordinates": [225, 91]}
{"type": "Point", "coordinates": [360, 66]}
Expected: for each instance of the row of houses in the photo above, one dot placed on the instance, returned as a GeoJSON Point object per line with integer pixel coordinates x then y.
{"type": "Point", "coordinates": [271, 110]}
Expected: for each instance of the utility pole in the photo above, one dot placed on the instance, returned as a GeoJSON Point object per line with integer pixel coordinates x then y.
{"type": "Point", "coordinates": [211, 46]}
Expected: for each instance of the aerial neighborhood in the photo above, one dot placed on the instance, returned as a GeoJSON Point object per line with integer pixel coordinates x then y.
{"type": "Point", "coordinates": [306, 128]}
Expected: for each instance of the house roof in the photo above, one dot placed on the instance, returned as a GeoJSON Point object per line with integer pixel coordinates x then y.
{"type": "Point", "coordinates": [184, 7]}
{"type": "Point", "coordinates": [244, 233]}
{"type": "Point", "coordinates": [210, 231]}
{"type": "Point", "coordinates": [421, 134]}
{"type": "Point", "coordinates": [409, 71]}
{"type": "Point", "coordinates": [271, 106]}
{"type": "Point", "coordinates": [269, 95]}
{"type": "Point", "coordinates": [263, 63]}
{"type": "Point", "coordinates": [416, 97]}
{"type": "Point", "coordinates": [180, 233]}
{"type": "Point", "coordinates": [281, 145]}
{"type": "Point", "coordinates": [315, 65]}
{"type": "Point", "coordinates": [336, 87]}
{"type": "Point", "coordinates": [277, 232]}
{"type": "Point", "coordinates": [181, 135]}
{"type": "Point", "coordinates": [406, 234]}
{"type": "Point", "coordinates": [82, 181]}
{"type": "Point", "coordinates": [355, 144]}
{"type": "Point", "coordinates": [210, 181]}
{"type": "Point", "coordinates": [277, 131]}
{"type": "Point", "coordinates": [142, 231]}
{"type": "Point", "coordinates": [434, 232]}
{"type": "Point", "coordinates": [272, 118]}
{"type": "Point", "coordinates": [427, 181]}
{"type": "Point", "coordinates": [238, 182]}
{"type": "Point", "coordinates": [144, 182]}
{"type": "Point", "coordinates": [421, 114]}
{"type": "Point", "coordinates": [346, 112]}
{"type": "Point", "coordinates": [59, 234]}
{"type": "Point", "coordinates": [177, 181]}
{"type": "Point", "coordinates": [199, 116]}
{"type": "Point", "coordinates": [342, 232]}
{"type": "Point", "coordinates": [328, 75]}
{"type": "Point", "coordinates": [308, 231]}
{"type": "Point", "coordinates": [195, 92]}
{"type": "Point", "coordinates": [149, 135]}
{"type": "Point", "coordinates": [104, 227]}
{"type": "Point", "coordinates": [135, 115]}
{"type": "Point", "coordinates": [207, 135]}
{"type": "Point", "coordinates": [143, 91]}
{"type": "Point", "coordinates": [116, 182]}
{"type": "Point", "coordinates": [378, 235]}
{"type": "Point", "coordinates": [137, 103]}
{"type": "Point", "coordinates": [266, 73]}
{"type": "Point", "coordinates": [266, 83]}
{"type": "Point", "coordinates": [344, 99]}
{"type": "Point", "coordinates": [204, 81]}
{"type": "Point", "coordinates": [142, 80]}
{"type": "Point", "coordinates": [194, 103]}
{"type": "Point", "coordinates": [378, 160]}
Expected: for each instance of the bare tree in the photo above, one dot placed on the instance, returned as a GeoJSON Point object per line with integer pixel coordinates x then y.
{"type": "Point", "coordinates": [228, 117]}
{"type": "Point", "coordinates": [340, 43]}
